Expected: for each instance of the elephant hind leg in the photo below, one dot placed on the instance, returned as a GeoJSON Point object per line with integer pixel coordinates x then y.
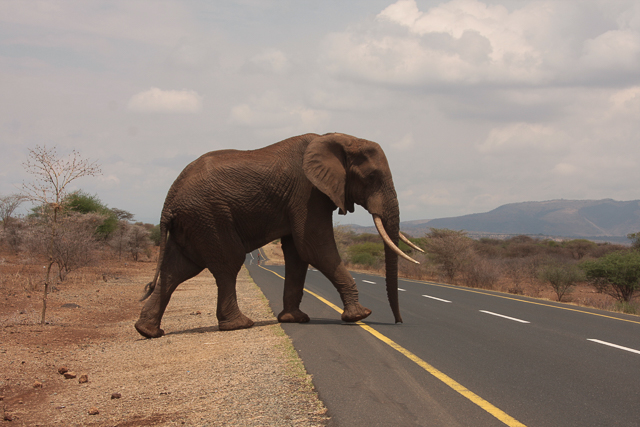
{"type": "Point", "coordinates": [228, 313]}
{"type": "Point", "coordinates": [175, 269]}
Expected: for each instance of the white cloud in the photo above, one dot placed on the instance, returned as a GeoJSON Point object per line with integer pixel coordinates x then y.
{"type": "Point", "coordinates": [462, 41]}
{"type": "Point", "coordinates": [613, 50]}
{"type": "Point", "coordinates": [469, 42]}
{"type": "Point", "coordinates": [156, 100]}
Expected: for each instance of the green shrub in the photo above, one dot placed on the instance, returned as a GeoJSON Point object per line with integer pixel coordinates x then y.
{"type": "Point", "coordinates": [85, 203]}
{"type": "Point", "coordinates": [561, 277]}
{"type": "Point", "coordinates": [616, 274]}
{"type": "Point", "coordinates": [155, 235]}
{"type": "Point", "coordinates": [368, 253]}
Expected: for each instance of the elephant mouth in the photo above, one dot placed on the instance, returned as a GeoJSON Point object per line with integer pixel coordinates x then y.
{"type": "Point", "coordinates": [383, 233]}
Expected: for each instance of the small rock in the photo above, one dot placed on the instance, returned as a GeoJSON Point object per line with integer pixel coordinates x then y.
{"type": "Point", "coordinates": [8, 416]}
{"type": "Point", "coordinates": [84, 378]}
{"type": "Point", "coordinates": [93, 411]}
{"type": "Point", "coordinates": [37, 384]}
{"type": "Point", "coordinates": [1, 398]}
{"type": "Point", "coordinates": [69, 375]}
{"type": "Point", "coordinates": [62, 370]}
{"type": "Point", "coordinates": [70, 305]}
{"type": "Point", "coordinates": [116, 395]}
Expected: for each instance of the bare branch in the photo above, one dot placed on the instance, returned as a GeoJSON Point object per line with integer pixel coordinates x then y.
{"type": "Point", "coordinates": [53, 174]}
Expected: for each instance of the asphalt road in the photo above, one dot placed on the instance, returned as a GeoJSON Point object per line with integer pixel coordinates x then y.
{"type": "Point", "coordinates": [463, 357]}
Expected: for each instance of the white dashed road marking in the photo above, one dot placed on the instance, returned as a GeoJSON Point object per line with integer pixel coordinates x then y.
{"type": "Point", "coordinates": [505, 317]}
{"type": "Point", "coordinates": [437, 299]}
{"type": "Point", "coordinates": [614, 345]}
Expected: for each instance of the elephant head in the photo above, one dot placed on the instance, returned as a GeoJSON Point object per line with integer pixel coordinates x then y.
{"type": "Point", "coordinates": [352, 171]}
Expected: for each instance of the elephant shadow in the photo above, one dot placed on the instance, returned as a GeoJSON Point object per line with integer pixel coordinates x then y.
{"type": "Point", "coordinates": [215, 328]}
{"type": "Point", "coordinates": [314, 321]}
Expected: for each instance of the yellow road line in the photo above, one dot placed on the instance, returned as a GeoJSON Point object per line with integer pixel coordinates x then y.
{"type": "Point", "coordinates": [442, 285]}
{"type": "Point", "coordinates": [488, 407]}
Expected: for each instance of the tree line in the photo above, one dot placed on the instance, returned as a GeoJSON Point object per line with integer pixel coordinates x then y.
{"type": "Point", "coordinates": [514, 263]}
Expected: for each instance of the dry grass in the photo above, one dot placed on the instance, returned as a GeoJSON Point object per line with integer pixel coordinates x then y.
{"type": "Point", "coordinates": [195, 375]}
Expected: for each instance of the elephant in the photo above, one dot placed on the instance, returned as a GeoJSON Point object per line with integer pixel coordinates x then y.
{"type": "Point", "coordinates": [230, 202]}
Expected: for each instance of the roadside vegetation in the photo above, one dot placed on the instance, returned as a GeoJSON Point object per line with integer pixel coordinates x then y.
{"type": "Point", "coordinates": [600, 275]}
{"type": "Point", "coordinates": [65, 231]}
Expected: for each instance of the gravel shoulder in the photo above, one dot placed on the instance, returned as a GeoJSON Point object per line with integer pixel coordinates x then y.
{"type": "Point", "coordinates": [194, 375]}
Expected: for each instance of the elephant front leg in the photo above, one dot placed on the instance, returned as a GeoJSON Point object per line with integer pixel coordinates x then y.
{"type": "Point", "coordinates": [346, 285]}
{"type": "Point", "coordinates": [330, 264]}
{"type": "Point", "coordinates": [295, 273]}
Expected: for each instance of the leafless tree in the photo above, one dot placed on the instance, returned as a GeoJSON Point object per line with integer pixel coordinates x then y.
{"type": "Point", "coordinates": [8, 205]}
{"type": "Point", "coordinates": [52, 175]}
{"type": "Point", "coordinates": [118, 240]}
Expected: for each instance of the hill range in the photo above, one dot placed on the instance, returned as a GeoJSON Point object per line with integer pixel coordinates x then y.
{"type": "Point", "coordinates": [604, 220]}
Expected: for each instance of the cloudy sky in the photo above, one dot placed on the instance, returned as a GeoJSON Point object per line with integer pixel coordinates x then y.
{"type": "Point", "coordinates": [476, 104]}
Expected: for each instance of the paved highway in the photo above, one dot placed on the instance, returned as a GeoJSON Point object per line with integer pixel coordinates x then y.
{"type": "Point", "coordinates": [463, 357]}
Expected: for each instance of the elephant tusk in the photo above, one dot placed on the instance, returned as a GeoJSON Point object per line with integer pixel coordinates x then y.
{"type": "Point", "coordinates": [378, 222]}
{"type": "Point", "coordinates": [410, 243]}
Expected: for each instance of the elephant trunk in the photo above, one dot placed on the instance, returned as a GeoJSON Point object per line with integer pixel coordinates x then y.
{"type": "Point", "coordinates": [389, 228]}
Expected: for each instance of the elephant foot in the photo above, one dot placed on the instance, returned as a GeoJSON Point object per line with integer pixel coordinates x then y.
{"type": "Point", "coordinates": [294, 316]}
{"type": "Point", "coordinates": [240, 322]}
{"type": "Point", "coordinates": [355, 312]}
{"type": "Point", "coordinates": [148, 331]}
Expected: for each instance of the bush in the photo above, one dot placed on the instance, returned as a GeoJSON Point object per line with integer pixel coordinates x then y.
{"type": "Point", "coordinates": [154, 235]}
{"type": "Point", "coordinates": [616, 274]}
{"type": "Point", "coordinates": [137, 241]}
{"type": "Point", "coordinates": [369, 253]}
{"type": "Point", "coordinates": [449, 249]}
{"type": "Point", "coordinates": [480, 273]}
{"type": "Point", "coordinates": [561, 277]}
{"type": "Point", "coordinates": [579, 248]}
{"type": "Point", "coordinates": [71, 244]}
{"type": "Point", "coordinates": [85, 203]}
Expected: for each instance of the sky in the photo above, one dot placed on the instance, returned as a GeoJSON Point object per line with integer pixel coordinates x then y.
{"type": "Point", "coordinates": [476, 104]}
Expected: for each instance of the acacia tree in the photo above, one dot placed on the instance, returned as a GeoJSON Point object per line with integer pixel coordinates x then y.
{"type": "Point", "coordinates": [8, 205]}
{"type": "Point", "coordinates": [52, 176]}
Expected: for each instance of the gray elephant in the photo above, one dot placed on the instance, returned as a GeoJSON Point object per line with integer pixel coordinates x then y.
{"type": "Point", "coordinates": [228, 203]}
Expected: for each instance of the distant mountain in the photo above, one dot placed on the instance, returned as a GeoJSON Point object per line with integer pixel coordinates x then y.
{"type": "Point", "coordinates": [594, 219]}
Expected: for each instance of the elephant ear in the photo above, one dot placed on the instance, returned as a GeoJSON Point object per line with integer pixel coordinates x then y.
{"type": "Point", "coordinates": [324, 165]}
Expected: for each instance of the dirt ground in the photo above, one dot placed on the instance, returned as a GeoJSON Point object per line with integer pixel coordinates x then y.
{"type": "Point", "coordinates": [194, 375]}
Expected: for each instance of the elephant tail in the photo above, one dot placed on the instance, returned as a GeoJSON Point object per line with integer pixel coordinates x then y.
{"type": "Point", "coordinates": [164, 225]}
